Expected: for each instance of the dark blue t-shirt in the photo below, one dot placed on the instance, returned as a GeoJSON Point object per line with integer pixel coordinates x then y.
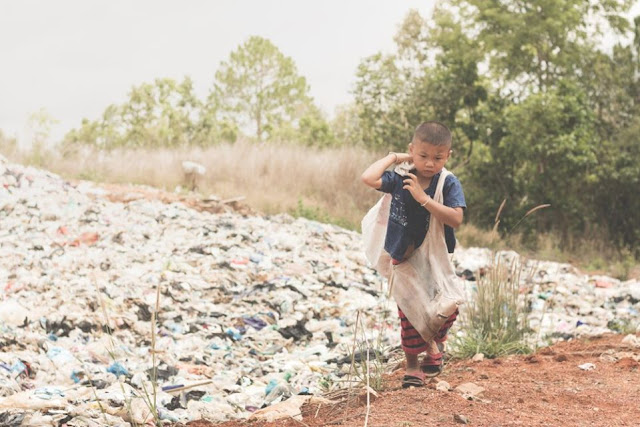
{"type": "Point", "coordinates": [408, 221]}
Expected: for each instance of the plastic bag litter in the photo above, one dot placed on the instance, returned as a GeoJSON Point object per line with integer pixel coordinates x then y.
{"type": "Point", "coordinates": [81, 309]}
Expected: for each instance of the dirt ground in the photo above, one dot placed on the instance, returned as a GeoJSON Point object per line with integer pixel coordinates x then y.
{"type": "Point", "coordinates": [125, 193]}
{"type": "Point", "coordinates": [547, 388]}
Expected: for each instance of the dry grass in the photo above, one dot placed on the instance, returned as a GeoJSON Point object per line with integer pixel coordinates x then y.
{"type": "Point", "coordinates": [472, 236]}
{"type": "Point", "coordinates": [324, 183]}
{"type": "Point", "coordinates": [495, 322]}
{"type": "Point", "coordinates": [594, 255]}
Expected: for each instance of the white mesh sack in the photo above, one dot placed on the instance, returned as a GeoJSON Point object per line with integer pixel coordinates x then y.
{"type": "Point", "coordinates": [425, 286]}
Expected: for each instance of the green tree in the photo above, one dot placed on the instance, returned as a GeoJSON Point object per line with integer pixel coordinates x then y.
{"type": "Point", "coordinates": [40, 124]}
{"type": "Point", "coordinates": [310, 128]}
{"type": "Point", "coordinates": [313, 128]}
{"type": "Point", "coordinates": [455, 86]}
{"type": "Point", "coordinates": [531, 45]}
{"type": "Point", "coordinates": [381, 95]}
{"type": "Point", "coordinates": [541, 114]}
{"type": "Point", "coordinates": [346, 125]}
{"type": "Point", "coordinates": [434, 75]}
{"type": "Point", "coordinates": [555, 102]}
{"type": "Point", "coordinates": [160, 114]}
{"type": "Point", "coordinates": [163, 113]}
{"type": "Point", "coordinates": [616, 190]}
{"type": "Point", "coordinates": [258, 86]}
{"type": "Point", "coordinates": [614, 89]}
{"type": "Point", "coordinates": [544, 155]}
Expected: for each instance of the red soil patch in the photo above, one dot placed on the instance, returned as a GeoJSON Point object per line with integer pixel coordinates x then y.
{"type": "Point", "coordinates": [546, 388]}
{"type": "Point", "coordinates": [124, 193]}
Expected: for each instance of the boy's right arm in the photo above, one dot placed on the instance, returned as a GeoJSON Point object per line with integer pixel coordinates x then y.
{"type": "Point", "coordinates": [373, 175]}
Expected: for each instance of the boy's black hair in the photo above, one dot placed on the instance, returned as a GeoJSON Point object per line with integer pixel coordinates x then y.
{"type": "Point", "coordinates": [434, 133]}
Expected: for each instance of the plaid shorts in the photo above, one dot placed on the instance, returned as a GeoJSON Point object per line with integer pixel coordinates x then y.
{"type": "Point", "coordinates": [412, 342]}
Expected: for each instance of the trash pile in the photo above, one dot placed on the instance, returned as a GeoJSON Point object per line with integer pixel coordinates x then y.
{"type": "Point", "coordinates": [563, 302]}
{"type": "Point", "coordinates": [250, 309]}
{"type": "Point", "coordinates": [114, 313]}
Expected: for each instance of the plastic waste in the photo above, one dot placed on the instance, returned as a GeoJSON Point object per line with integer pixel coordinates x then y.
{"type": "Point", "coordinates": [117, 369]}
{"type": "Point", "coordinates": [48, 393]}
{"type": "Point", "coordinates": [279, 392]}
{"type": "Point", "coordinates": [12, 313]}
{"type": "Point", "coordinates": [244, 301]}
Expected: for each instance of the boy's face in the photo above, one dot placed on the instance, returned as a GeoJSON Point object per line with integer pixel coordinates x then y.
{"type": "Point", "coordinates": [428, 159]}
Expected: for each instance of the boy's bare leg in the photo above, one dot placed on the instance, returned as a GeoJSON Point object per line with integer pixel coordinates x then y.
{"type": "Point", "coordinates": [432, 363]}
{"type": "Point", "coordinates": [432, 347]}
{"type": "Point", "coordinates": [413, 367]}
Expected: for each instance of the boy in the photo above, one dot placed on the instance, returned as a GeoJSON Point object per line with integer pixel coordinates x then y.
{"type": "Point", "coordinates": [411, 209]}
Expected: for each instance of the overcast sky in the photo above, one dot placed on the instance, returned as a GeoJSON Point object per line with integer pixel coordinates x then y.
{"type": "Point", "coordinates": [75, 57]}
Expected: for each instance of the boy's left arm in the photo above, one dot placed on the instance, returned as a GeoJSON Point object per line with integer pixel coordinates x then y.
{"type": "Point", "coordinates": [453, 217]}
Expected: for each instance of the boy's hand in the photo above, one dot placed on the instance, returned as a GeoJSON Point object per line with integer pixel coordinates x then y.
{"type": "Point", "coordinates": [403, 157]}
{"type": "Point", "coordinates": [411, 184]}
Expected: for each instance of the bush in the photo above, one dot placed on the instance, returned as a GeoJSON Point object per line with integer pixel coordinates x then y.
{"type": "Point", "coordinates": [495, 323]}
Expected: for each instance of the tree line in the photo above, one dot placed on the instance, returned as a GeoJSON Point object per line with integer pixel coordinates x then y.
{"type": "Point", "coordinates": [257, 92]}
{"type": "Point", "coordinates": [543, 111]}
